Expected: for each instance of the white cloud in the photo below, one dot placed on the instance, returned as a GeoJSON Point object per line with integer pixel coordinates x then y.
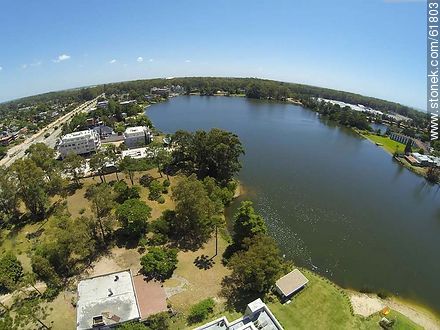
{"type": "Point", "coordinates": [1, 68]}
{"type": "Point", "coordinates": [151, 60]}
{"type": "Point", "coordinates": [62, 57]}
{"type": "Point", "coordinates": [187, 61]}
{"type": "Point", "coordinates": [36, 63]}
{"type": "Point", "coordinates": [24, 66]}
{"type": "Point", "coordinates": [140, 59]}
{"type": "Point", "coordinates": [112, 61]}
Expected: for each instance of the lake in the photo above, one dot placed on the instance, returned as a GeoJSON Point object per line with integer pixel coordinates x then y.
{"type": "Point", "coordinates": [336, 203]}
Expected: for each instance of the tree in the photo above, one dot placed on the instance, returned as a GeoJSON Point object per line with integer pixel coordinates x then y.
{"type": "Point", "coordinates": [159, 263]}
{"type": "Point", "coordinates": [45, 271]}
{"type": "Point", "coordinates": [255, 270]}
{"type": "Point", "coordinates": [408, 146]}
{"type": "Point", "coordinates": [98, 163]}
{"type": "Point", "coordinates": [215, 153]}
{"type": "Point", "coordinates": [44, 158]}
{"type": "Point", "coordinates": [74, 165]}
{"type": "Point", "coordinates": [30, 311]}
{"type": "Point", "coordinates": [221, 196]}
{"type": "Point", "coordinates": [133, 215]}
{"type": "Point", "coordinates": [11, 272]}
{"type": "Point", "coordinates": [155, 189]}
{"type": "Point", "coordinates": [31, 186]}
{"type": "Point", "coordinates": [129, 166]}
{"type": "Point", "coordinates": [163, 159]}
{"type": "Point", "coordinates": [112, 155]}
{"type": "Point", "coordinates": [9, 197]}
{"type": "Point", "coordinates": [124, 192]}
{"type": "Point", "coordinates": [247, 224]}
{"type": "Point", "coordinates": [102, 198]}
{"type": "Point", "coordinates": [194, 211]}
{"type": "Point", "coordinates": [433, 174]}
{"type": "Point", "coordinates": [62, 249]}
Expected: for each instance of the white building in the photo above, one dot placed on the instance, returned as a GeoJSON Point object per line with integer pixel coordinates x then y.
{"type": "Point", "coordinates": [137, 136]}
{"type": "Point", "coordinates": [138, 153]}
{"type": "Point", "coordinates": [257, 317]}
{"type": "Point", "coordinates": [82, 142]}
{"type": "Point", "coordinates": [107, 300]}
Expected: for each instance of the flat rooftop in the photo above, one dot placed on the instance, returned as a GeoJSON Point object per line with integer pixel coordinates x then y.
{"type": "Point", "coordinates": [77, 134]}
{"type": "Point", "coordinates": [111, 296]}
{"type": "Point", "coordinates": [291, 282]}
{"type": "Point", "coordinates": [136, 129]}
{"type": "Point", "coordinates": [257, 317]}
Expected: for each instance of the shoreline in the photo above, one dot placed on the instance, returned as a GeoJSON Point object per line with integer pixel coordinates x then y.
{"type": "Point", "coordinates": [400, 160]}
{"type": "Point", "coordinates": [367, 304]}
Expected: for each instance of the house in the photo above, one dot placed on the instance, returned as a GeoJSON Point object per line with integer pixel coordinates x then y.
{"type": "Point", "coordinates": [5, 140]}
{"type": "Point", "coordinates": [290, 283]}
{"type": "Point", "coordinates": [424, 160]}
{"type": "Point", "coordinates": [160, 91]}
{"type": "Point", "coordinates": [126, 103]}
{"type": "Point", "coordinates": [82, 142]}
{"type": "Point", "coordinates": [103, 131]}
{"type": "Point", "coordinates": [257, 316]}
{"type": "Point", "coordinates": [137, 153]}
{"type": "Point", "coordinates": [137, 136]}
{"type": "Point", "coordinates": [102, 104]}
{"type": "Point", "coordinates": [108, 300]}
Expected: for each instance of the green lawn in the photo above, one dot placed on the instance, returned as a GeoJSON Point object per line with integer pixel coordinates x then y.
{"type": "Point", "coordinates": [388, 144]}
{"type": "Point", "coordinates": [323, 305]}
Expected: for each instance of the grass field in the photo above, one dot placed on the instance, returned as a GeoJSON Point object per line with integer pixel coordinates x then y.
{"type": "Point", "coordinates": [386, 143]}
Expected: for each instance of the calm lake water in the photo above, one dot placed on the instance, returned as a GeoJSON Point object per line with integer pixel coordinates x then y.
{"type": "Point", "coordinates": [336, 203]}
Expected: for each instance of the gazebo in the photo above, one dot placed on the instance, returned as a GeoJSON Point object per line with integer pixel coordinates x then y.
{"type": "Point", "coordinates": [290, 283]}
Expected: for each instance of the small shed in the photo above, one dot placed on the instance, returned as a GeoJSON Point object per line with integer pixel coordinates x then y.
{"type": "Point", "coordinates": [291, 283]}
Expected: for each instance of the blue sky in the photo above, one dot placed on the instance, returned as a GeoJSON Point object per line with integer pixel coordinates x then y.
{"type": "Point", "coordinates": [373, 47]}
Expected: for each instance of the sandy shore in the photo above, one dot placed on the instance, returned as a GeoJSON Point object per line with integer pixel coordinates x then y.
{"type": "Point", "coordinates": [367, 304]}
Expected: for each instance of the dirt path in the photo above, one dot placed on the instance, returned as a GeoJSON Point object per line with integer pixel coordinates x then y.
{"type": "Point", "coordinates": [365, 305]}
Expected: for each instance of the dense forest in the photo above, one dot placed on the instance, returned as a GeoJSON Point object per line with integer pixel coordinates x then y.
{"type": "Point", "coordinates": [252, 87]}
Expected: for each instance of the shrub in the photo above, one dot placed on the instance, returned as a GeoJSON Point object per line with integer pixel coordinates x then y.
{"type": "Point", "coordinates": [159, 321]}
{"type": "Point", "coordinates": [161, 200]}
{"type": "Point", "coordinates": [200, 311]}
{"type": "Point", "coordinates": [124, 192]}
{"type": "Point", "coordinates": [145, 180]}
{"type": "Point", "coordinates": [158, 239]}
{"type": "Point", "coordinates": [166, 183]}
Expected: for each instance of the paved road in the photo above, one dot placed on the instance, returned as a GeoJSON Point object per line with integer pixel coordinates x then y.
{"type": "Point", "coordinates": [18, 151]}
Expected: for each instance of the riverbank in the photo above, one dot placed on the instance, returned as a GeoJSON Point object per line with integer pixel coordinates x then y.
{"type": "Point", "coordinates": [364, 308]}
{"type": "Point", "coordinates": [390, 147]}
{"type": "Point", "coordinates": [369, 304]}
